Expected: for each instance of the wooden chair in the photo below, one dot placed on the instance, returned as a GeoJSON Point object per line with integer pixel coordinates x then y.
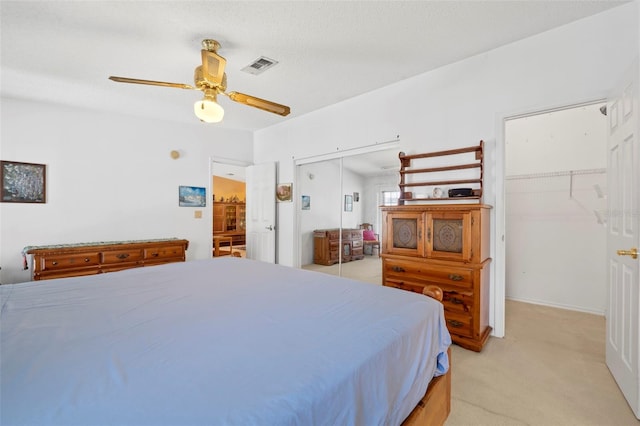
{"type": "Point", "coordinates": [217, 246]}
{"type": "Point", "coordinates": [370, 239]}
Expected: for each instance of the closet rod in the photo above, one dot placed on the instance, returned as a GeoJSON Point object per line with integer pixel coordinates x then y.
{"type": "Point", "coordinates": [557, 174]}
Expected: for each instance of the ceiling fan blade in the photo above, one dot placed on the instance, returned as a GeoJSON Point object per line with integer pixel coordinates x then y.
{"type": "Point", "coordinates": [262, 104]}
{"type": "Point", "coordinates": [151, 82]}
{"type": "Point", "coordinates": [213, 67]}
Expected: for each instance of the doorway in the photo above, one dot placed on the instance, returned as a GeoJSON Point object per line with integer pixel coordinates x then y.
{"type": "Point", "coordinates": [228, 189]}
{"type": "Point", "coordinates": [555, 208]}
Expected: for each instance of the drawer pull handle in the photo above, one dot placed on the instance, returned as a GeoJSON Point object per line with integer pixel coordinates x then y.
{"type": "Point", "coordinates": [397, 269]}
{"type": "Point", "coordinates": [154, 254]}
{"type": "Point", "coordinates": [457, 301]}
{"type": "Point", "coordinates": [454, 323]}
{"type": "Point", "coordinates": [123, 256]}
{"type": "Point", "coordinates": [87, 260]}
{"type": "Point", "coordinates": [455, 277]}
{"type": "Point", "coordinates": [54, 263]}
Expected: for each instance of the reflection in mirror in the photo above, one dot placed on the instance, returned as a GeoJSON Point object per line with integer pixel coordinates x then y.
{"type": "Point", "coordinates": [339, 196]}
{"type": "Point", "coordinates": [319, 184]}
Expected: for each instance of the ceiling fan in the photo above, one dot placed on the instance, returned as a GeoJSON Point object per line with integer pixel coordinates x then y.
{"type": "Point", "coordinates": [212, 80]}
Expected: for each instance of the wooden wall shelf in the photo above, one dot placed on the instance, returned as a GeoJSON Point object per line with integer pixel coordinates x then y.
{"type": "Point", "coordinates": [413, 174]}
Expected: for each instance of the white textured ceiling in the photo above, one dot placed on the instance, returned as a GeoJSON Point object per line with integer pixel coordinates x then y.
{"type": "Point", "coordinates": [329, 51]}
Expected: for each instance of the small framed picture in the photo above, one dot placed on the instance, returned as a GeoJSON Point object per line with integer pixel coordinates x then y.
{"type": "Point", "coordinates": [192, 196]}
{"type": "Point", "coordinates": [348, 203]}
{"type": "Point", "coordinates": [23, 182]}
{"type": "Point", "coordinates": [306, 202]}
{"type": "Point", "coordinates": [284, 192]}
{"type": "Point", "coordinates": [356, 197]}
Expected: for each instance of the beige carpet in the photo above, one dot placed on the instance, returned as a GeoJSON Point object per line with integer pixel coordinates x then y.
{"type": "Point", "coordinates": [548, 370]}
{"type": "Point", "coordinates": [368, 269]}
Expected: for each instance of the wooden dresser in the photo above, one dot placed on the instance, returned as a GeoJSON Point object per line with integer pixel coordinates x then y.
{"type": "Point", "coordinates": [446, 245]}
{"type": "Point", "coordinates": [70, 260]}
{"type": "Point", "coordinates": [326, 245]}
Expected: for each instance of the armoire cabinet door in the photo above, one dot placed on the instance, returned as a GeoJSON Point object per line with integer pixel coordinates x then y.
{"type": "Point", "coordinates": [405, 236]}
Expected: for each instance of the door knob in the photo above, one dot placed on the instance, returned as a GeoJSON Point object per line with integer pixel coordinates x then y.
{"type": "Point", "coordinates": [633, 253]}
{"type": "Point", "coordinates": [270, 227]}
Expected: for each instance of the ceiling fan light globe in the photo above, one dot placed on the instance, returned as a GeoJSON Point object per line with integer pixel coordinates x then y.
{"type": "Point", "coordinates": [208, 111]}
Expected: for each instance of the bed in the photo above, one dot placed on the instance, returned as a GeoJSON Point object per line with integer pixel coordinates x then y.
{"type": "Point", "coordinates": [223, 341]}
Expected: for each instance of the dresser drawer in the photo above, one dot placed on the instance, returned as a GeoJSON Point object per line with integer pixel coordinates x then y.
{"type": "Point", "coordinates": [447, 275]}
{"type": "Point", "coordinates": [121, 256]}
{"type": "Point", "coordinates": [69, 261]}
{"type": "Point", "coordinates": [427, 273]}
{"type": "Point", "coordinates": [403, 285]}
{"type": "Point", "coordinates": [333, 235]}
{"type": "Point", "coordinates": [161, 253]}
{"type": "Point", "coordinates": [356, 243]}
{"type": "Point", "coordinates": [458, 301]}
{"type": "Point", "coordinates": [459, 324]}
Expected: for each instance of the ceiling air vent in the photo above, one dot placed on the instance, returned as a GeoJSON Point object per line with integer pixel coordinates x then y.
{"type": "Point", "coordinates": [259, 66]}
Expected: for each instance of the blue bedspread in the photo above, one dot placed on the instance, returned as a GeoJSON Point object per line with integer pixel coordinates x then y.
{"type": "Point", "coordinates": [226, 341]}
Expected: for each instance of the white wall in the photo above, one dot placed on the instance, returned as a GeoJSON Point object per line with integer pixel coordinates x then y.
{"type": "Point", "coordinates": [109, 177]}
{"type": "Point", "coordinates": [374, 186]}
{"type": "Point", "coordinates": [459, 104]}
{"type": "Point", "coordinates": [555, 215]}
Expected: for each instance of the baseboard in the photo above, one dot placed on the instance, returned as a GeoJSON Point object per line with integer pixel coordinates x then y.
{"type": "Point", "coordinates": [558, 306]}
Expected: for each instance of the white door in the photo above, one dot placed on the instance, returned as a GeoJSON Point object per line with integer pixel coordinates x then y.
{"type": "Point", "coordinates": [261, 212]}
{"type": "Point", "coordinates": [623, 317]}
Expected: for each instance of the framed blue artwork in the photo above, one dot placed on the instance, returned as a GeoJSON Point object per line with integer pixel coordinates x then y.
{"type": "Point", "coordinates": [192, 196]}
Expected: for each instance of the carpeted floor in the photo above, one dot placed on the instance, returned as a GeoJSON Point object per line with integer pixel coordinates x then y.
{"type": "Point", "coordinates": [548, 370]}
{"type": "Point", "coordinates": [368, 269]}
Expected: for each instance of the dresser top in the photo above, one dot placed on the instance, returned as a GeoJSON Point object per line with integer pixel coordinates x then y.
{"type": "Point", "coordinates": [32, 249]}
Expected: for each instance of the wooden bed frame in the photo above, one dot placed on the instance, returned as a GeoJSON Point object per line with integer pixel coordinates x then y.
{"type": "Point", "coordinates": [435, 405]}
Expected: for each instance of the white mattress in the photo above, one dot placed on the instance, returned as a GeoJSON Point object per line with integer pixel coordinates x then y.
{"type": "Point", "coordinates": [215, 342]}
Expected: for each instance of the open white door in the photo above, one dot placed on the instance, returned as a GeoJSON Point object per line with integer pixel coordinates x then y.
{"type": "Point", "coordinates": [261, 212]}
{"type": "Point", "coordinates": [623, 230]}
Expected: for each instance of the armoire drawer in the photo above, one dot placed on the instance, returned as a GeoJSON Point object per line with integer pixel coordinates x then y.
{"type": "Point", "coordinates": [459, 324]}
{"type": "Point", "coordinates": [460, 277]}
{"type": "Point", "coordinates": [457, 301]}
{"type": "Point", "coordinates": [433, 274]}
{"type": "Point", "coordinates": [404, 285]}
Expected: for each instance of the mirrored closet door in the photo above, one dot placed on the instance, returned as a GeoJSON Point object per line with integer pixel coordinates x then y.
{"type": "Point", "coordinates": [339, 213]}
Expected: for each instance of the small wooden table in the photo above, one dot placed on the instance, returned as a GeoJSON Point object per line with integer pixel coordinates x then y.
{"type": "Point", "coordinates": [217, 251]}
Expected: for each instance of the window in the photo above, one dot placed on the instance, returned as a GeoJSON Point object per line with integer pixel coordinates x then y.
{"type": "Point", "coordinates": [390, 198]}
